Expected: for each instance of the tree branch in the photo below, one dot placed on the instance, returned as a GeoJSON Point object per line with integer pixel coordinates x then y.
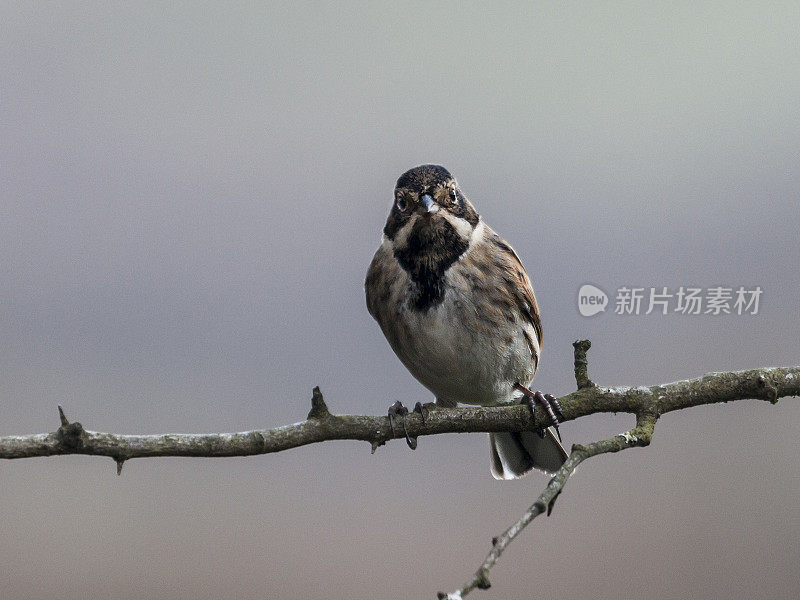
{"type": "Point", "coordinates": [321, 425]}
{"type": "Point", "coordinates": [647, 403]}
{"type": "Point", "coordinates": [652, 402]}
{"type": "Point", "coordinates": [638, 436]}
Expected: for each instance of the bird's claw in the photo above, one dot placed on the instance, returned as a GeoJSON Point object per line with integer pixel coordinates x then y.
{"type": "Point", "coordinates": [548, 402]}
{"type": "Point", "coordinates": [394, 410]}
{"type": "Point", "coordinates": [399, 410]}
{"type": "Point", "coordinates": [555, 405]}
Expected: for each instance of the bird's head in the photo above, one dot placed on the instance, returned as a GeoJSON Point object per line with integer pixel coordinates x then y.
{"type": "Point", "coordinates": [431, 222]}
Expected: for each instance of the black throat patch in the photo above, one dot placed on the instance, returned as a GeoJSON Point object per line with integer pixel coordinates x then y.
{"type": "Point", "coordinates": [430, 249]}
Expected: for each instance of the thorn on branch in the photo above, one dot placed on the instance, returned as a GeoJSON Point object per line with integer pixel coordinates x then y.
{"type": "Point", "coordinates": [482, 580]}
{"type": "Point", "coordinates": [319, 410]}
{"type": "Point", "coordinates": [579, 449]}
{"type": "Point", "coordinates": [120, 462]}
{"type": "Point", "coordinates": [62, 416]}
{"type": "Point", "coordinates": [581, 364]}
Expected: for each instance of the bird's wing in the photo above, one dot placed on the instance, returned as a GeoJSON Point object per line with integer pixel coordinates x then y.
{"type": "Point", "coordinates": [383, 270]}
{"type": "Point", "coordinates": [520, 286]}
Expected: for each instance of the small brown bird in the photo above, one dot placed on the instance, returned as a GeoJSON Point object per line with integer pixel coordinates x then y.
{"type": "Point", "coordinates": [458, 309]}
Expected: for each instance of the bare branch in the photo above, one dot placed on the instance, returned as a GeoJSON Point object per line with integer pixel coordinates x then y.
{"type": "Point", "coordinates": [638, 436]}
{"type": "Point", "coordinates": [71, 438]}
{"type": "Point", "coordinates": [647, 403]}
{"type": "Point", "coordinates": [581, 364]}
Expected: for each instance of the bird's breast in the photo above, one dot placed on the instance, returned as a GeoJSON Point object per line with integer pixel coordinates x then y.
{"type": "Point", "coordinates": [463, 349]}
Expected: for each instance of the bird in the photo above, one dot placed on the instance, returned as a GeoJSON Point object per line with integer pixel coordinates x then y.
{"type": "Point", "coordinates": [457, 307]}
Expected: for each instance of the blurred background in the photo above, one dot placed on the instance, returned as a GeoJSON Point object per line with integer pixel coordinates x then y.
{"type": "Point", "coordinates": [190, 195]}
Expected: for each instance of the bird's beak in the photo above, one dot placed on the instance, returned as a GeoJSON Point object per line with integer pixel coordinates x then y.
{"type": "Point", "coordinates": [429, 204]}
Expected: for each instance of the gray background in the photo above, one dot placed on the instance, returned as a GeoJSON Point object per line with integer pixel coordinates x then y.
{"type": "Point", "coordinates": [191, 195]}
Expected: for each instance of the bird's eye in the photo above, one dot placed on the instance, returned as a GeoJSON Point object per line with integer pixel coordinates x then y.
{"type": "Point", "coordinates": [453, 194]}
{"type": "Point", "coordinates": [401, 204]}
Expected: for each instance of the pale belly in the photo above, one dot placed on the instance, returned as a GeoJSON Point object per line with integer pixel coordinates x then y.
{"type": "Point", "coordinates": [461, 359]}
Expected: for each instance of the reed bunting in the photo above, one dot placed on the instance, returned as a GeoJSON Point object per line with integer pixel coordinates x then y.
{"type": "Point", "coordinates": [458, 309]}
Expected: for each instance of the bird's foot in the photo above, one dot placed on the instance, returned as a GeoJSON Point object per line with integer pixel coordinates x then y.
{"type": "Point", "coordinates": [548, 401]}
{"type": "Point", "coordinates": [424, 409]}
{"type": "Point", "coordinates": [398, 410]}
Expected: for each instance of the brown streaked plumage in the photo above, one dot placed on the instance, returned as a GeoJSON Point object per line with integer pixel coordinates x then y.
{"type": "Point", "coordinates": [458, 309]}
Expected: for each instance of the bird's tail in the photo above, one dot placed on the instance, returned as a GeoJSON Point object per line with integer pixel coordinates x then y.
{"type": "Point", "coordinates": [514, 454]}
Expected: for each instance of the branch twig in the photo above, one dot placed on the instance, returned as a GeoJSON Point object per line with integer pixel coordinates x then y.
{"type": "Point", "coordinates": [647, 403]}
{"type": "Point", "coordinates": [652, 402]}
{"type": "Point", "coordinates": [71, 438]}
{"type": "Point", "coordinates": [638, 436]}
